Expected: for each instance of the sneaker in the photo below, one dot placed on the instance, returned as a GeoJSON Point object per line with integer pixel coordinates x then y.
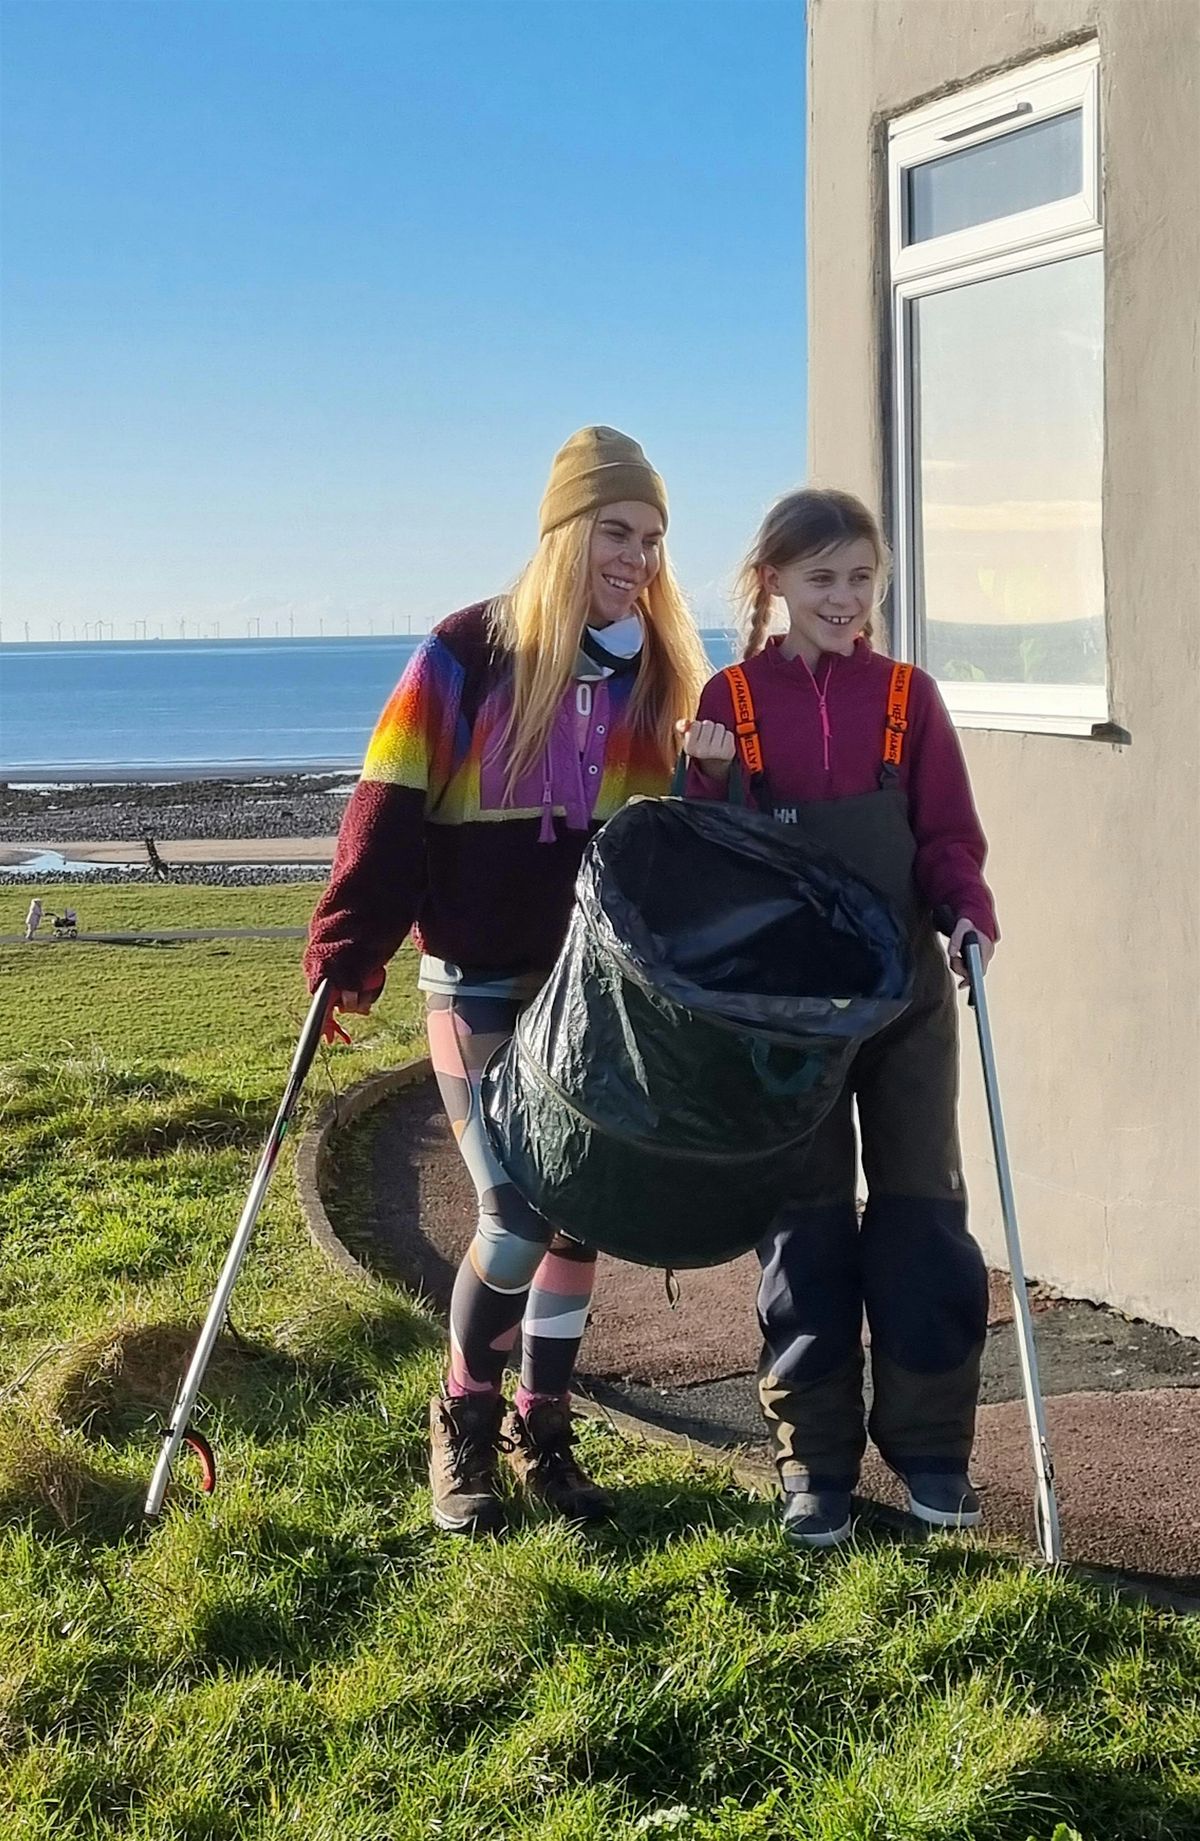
{"type": "Point", "coordinates": [464, 1436]}
{"type": "Point", "coordinates": [944, 1499]}
{"type": "Point", "coordinates": [816, 1517]}
{"type": "Point", "coordinates": [538, 1446]}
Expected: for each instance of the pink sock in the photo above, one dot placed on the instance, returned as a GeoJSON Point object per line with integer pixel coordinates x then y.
{"type": "Point", "coordinates": [525, 1400]}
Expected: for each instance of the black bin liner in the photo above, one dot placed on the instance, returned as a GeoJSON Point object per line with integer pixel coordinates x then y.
{"type": "Point", "coordinates": [719, 973]}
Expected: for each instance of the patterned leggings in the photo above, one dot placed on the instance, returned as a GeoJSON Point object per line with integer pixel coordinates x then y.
{"type": "Point", "coordinates": [517, 1272]}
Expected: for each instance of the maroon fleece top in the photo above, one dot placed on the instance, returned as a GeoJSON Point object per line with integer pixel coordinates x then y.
{"type": "Point", "coordinates": [822, 738]}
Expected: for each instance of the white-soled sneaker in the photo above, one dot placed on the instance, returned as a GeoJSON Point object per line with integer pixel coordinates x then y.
{"type": "Point", "coordinates": [816, 1518]}
{"type": "Point", "coordinates": [943, 1499]}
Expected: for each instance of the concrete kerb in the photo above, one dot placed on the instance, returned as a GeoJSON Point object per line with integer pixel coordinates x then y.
{"type": "Point", "coordinates": [312, 1156]}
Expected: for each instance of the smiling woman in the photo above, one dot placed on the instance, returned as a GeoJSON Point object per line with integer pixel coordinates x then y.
{"type": "Point", "coordinates": [517, 730]}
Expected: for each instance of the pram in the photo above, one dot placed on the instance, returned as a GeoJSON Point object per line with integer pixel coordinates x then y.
{"type": "Point", "coordinates": [65, 926]}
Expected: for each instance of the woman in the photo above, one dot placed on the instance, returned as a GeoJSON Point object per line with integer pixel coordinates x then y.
{"type": "Point", "coordinates": [518, 728]}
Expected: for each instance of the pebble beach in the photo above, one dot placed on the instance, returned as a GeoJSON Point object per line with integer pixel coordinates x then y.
{"type": "Point", "coordinates": [40, 818]}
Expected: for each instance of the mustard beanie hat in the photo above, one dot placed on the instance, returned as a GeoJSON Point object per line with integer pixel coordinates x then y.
{"type": "Point", "coordinates": [598, 467]}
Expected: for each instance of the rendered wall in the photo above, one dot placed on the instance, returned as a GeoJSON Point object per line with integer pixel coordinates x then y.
{"type": "Point", "coordinates": [1095, 849]}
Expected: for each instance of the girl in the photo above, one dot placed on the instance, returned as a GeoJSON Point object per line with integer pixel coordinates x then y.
{"type": "Point", "coordinates": [516, 730]}
{"type": "Point", "coordinates": [861, 753]}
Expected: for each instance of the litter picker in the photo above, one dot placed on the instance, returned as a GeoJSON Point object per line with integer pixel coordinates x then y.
{"type": "Point", "coordinates": [1045, 1504]}
{"type": "Point", "coordinates": [178, 1431]}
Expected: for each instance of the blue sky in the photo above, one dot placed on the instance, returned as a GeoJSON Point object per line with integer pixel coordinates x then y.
{"type": "Point", "coordinates": [299, 297]}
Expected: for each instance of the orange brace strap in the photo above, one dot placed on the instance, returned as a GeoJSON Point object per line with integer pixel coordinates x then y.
{"type": "Point", "coordinates": [897, 715]}
{"type": "Point", "coordinates": [744, 725]}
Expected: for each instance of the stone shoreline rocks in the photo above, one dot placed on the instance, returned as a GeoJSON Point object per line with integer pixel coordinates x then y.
{"type": "Point", "coordinates": [195, 875]}
{"type": "Point", "coordinates": [296, 805]}
{"type": "Point", "coordinates": [293, 805]}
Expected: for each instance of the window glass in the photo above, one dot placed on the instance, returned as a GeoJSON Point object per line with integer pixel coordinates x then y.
{"type": "Point", "coordinates": [1013, 172]}
{"type": "Point", "coordinates": [1007, 404]}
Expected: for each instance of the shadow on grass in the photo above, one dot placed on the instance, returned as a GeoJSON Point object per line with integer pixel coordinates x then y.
{"type": "Point", "coordinates": [1108, 1799]}
{"type": "Point", "coordinates": [649, 1515]}
{"type": "Point", "coordinates": [109, 1386]}
{"type": "Point", "coordinates": [37, 1089]}
{"type": "Point", "coordinates": [223, 1122]}
{"type": "Point", "coordinates": [327, 1585]}
{"type": "Point", "coordinates": [112, 1111]}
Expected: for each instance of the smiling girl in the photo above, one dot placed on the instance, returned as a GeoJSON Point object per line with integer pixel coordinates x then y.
{"type": "Point", "coordinates": [860, 752]}
{"type": "Point", "coordinates": [517, 729]}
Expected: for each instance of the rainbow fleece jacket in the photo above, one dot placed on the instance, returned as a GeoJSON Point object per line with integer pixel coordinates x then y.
{"type": "Point", "coordinates": [431, 842]}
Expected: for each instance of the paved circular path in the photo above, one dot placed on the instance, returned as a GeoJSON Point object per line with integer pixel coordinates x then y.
{"type": "Point", "coordinates": [1123, 1398]}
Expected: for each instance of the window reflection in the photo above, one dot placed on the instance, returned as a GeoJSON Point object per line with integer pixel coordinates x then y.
{"type": "Point", "coordinates": [1008, 445]}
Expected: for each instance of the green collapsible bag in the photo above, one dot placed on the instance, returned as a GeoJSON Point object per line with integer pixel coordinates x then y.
{"type": "Point", "coordinates": [719, 973]}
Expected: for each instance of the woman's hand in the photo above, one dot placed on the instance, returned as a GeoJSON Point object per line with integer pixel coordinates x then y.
{"type": "Point", "coordinates": [350, 1003]}
{"type": "Point", "coordinates": [710, 745]}
{"type": "Point", "coordinates": [958, 964]}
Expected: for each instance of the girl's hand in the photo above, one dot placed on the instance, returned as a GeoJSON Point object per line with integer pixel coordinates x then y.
{"type": "Point", "coordinates": [958, 964]}
{"type": "Point", "coordinates": [710, 744]}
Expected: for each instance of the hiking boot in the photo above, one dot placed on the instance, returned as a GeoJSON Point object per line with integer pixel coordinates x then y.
{"type": "Point", "coordinates": [538, 1447]}
{"type": "Point", "coordinates": [464, 1436]}
{"type": "Point", "coordinates": [944, 1499]}
{"type": "Point", "coordinates": [816, 1517]}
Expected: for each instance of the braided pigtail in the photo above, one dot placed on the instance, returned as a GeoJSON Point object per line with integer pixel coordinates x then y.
{"type": "Point", "coordinates": [754, 602]}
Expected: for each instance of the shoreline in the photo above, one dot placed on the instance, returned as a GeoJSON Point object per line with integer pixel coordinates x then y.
{"type": "Point", "coordinates": [229, 831]}
{"type": "Point", "coordinates": [263, 805]}
{"type": "Point", "coordinates": [22, 778]}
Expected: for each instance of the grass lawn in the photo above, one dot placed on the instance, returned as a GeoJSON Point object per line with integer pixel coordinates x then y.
{"type": "Point", "coordinates": [301, 1657]}
{"type": "Point", "coordinates": [107, 907]}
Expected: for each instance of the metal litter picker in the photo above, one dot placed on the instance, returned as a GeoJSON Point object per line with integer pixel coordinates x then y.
{"type": "Point", "coordinates": [1045, 1505]}
{"type": "Point", "coordinates": [177, 1431]}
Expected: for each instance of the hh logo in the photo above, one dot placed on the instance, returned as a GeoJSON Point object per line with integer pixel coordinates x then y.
{"type": "Point", "coordinates": [787, 814]}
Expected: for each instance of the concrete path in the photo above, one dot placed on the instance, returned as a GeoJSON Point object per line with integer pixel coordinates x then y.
{"type": "Point", "coordinates": [315, 850]}
{"type": "Point", "coordinates": [1123, 1398]}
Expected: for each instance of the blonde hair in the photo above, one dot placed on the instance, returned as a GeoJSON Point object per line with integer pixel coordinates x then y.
{"type": "Point", "coordinates": [540, 623]}
{"type": "Point", "coordinates": [803, 523]}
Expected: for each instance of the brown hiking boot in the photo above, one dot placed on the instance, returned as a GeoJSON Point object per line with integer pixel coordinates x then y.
{"type": "Point", "coordinates": [464, 1437]}
{"type": "Point", "coordinates": [539, 1450]}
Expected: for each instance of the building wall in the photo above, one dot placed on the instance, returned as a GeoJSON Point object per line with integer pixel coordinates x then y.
{"type": "Point", "coordinates": [1095, 848]}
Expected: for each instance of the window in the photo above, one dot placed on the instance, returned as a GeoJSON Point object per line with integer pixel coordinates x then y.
{"type": "Point", "coordinates": [996, 255]}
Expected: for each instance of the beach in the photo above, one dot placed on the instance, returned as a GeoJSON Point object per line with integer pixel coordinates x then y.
{"type": "Point", "coordinates": [228, 818]}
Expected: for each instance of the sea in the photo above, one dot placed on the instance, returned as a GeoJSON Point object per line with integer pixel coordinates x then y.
{"type": "Point", "coordinates": [137, 710]}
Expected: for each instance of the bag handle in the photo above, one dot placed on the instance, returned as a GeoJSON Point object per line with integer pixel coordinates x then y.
{"type": "Point", "coordinates": [735, 793]}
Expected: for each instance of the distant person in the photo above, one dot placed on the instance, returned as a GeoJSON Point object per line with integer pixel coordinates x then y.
{"type": "Point", "coordinates": [860, 752]}
{"type": "Point", "coordinates": [156, 863]}
{"type": "Point", "coordinates": [33, 919]}
{"type": "Point", "coordinates": [518, 728]}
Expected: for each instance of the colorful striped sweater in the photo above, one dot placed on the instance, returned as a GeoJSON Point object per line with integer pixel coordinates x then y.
{"type": "Point", "coordinates": [430, 840]}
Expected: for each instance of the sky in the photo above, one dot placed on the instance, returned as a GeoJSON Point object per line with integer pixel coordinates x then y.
{"type": "Point", "coordinates": [300, 297]}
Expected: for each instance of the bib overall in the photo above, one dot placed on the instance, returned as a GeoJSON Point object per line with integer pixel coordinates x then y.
{"type": "Point", "coordinates": [909, 1262]}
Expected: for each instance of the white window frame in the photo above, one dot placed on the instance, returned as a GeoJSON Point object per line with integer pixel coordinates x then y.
{"type": "Point", "coordinates": [1002, 246]}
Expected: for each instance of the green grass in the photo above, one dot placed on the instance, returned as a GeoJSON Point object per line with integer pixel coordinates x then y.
{"type": "Point", "coordinates": [301, 1659]}
{"type": "Point", "coordinates": [105, 907]}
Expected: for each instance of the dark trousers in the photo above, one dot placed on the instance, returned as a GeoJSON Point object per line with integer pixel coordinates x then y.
{"type": "Point", "coordinates": [910, 1263]}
